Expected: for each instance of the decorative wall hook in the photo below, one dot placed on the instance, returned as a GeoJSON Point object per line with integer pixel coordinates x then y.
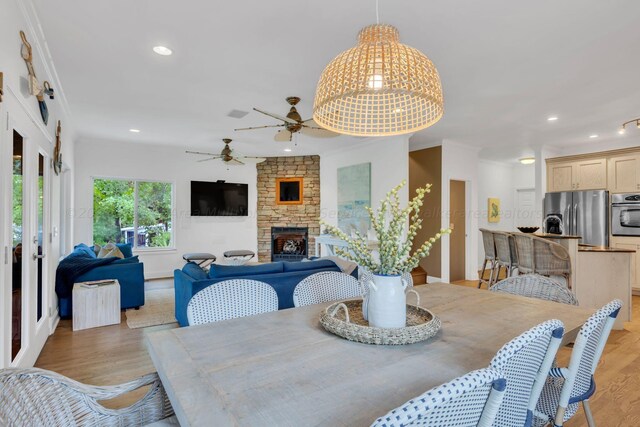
{"type": "Point", "coordinates": [36, 89]}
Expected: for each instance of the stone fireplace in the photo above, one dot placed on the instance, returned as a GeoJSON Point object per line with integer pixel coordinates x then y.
{"type": "Point", "coordinates": [272, 215]}
{"type": "Point", "coordinates": [289, 243]}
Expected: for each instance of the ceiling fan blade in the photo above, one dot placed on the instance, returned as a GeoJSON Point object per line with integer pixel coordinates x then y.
{"type": "Point", "coordinates": [200, 153]}
{"type": "Point", "coordinates": [283, 136]}
{"type": "Point", "coordinates": [234, 162]}
{"type": "Point", "coordinates": [278, 116]}
{"type": "Point", "coordinates": [260, 127]}
{"type": "Point", "coordinates": [253, 160]}
{"type": "Point", "coordinates": [210, 158]}
{"type": "Point", "coordinates": [317, 132]}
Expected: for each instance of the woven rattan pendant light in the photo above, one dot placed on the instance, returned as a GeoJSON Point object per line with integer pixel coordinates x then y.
{"type": "Point", "coordinates": [380, 87]}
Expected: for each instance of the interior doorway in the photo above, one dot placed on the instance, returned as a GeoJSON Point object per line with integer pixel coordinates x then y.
{"type": "Point", "coordinates": [457, 239]}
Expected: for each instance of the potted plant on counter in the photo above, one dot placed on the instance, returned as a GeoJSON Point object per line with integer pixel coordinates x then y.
{"type": "Point", "coordinates": [395, 229]}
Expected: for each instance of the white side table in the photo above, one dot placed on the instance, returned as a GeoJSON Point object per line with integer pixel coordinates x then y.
{"type": "Point", "coordinates": [96, 304]}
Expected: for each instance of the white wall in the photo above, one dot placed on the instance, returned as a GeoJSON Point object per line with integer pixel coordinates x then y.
{"type": "Point", "coordinates": [23, 114]}
{"type": "Point", "coordinates": [460, 162]}
{"type": "Point", "coordinates": [192, 234]}
{"type": "Point", "coordinates": [389, 158]}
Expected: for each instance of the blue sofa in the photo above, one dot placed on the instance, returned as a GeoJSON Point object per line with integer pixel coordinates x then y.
{"type": "Point", "coordinates": [282, 276]}
{"type": "Point", "coordinates": [128, 271]}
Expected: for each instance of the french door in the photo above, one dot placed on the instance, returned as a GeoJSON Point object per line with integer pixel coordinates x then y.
{"type": "Point", "coordinates": [27, 282]}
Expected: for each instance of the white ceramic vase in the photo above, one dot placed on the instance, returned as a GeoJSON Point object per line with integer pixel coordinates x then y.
{"type": "Point", "coordinates": [386, 302]}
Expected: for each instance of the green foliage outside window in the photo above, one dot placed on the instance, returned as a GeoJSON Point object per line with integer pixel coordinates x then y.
{"type": "Point", "coordinates": [114, 211]}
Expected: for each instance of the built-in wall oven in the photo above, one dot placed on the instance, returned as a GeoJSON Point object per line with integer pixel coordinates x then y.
{"type": "Point", "coordinates": [625, 214]}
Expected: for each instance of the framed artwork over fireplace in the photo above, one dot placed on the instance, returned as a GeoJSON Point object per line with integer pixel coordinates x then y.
{"type": "Point", "coordinates": [289, 191]}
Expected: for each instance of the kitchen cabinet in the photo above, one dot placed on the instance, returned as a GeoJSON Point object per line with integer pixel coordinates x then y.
{"type": "Point", "coordinates": [587, 174]}
{"type": "Point", "coordinates": [590, 174]}
{"type": "Point", "coordinates": [560, 176]}
{"type": "Point", "coordinates": [624, 174]}
{"type": "Point", "coordinates": [632, 243]}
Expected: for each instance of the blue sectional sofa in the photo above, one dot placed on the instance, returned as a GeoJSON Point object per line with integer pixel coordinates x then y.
{"type": "Point", "coordinates": [282, 276]}
{"type": "Point", "coordinates": [130, 274]}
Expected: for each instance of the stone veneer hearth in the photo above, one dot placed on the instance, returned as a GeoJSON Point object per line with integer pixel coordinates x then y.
{"type": "Point", "coordinates": [272, 215]}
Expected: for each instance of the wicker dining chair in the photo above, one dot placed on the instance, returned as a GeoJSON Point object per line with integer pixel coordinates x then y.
{"type": "Point", "coordinates": [489, 257]}
{"type": "Point", "coordinates": [326, 286]}
{"type": "Point", "coordinates": [565, 388]}
{"type": "Point", "coordinates": [230, 299]}
{"type": "Point", "coordinates": [536, 286]}
{"type": "Point", "coordinates": [37, 397]}
{"type": "Point", "coordinates": [506, 255]}
{"type": "Point", "coordinates": [470, 400]}
{"type": "Point", "coordinates": [525, 362]}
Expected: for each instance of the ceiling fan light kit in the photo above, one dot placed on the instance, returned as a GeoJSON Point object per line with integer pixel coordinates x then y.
{"type": "Point", "coordinates": [623, 129]}
{"type": "Point", "coordinates": [380, 87]}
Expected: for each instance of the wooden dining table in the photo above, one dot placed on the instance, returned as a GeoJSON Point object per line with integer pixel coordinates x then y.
{"type": "Point", "coordinates": [283, 369]}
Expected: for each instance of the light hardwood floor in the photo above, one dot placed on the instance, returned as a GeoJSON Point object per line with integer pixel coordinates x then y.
{"type": "Point", "coordinates": [115, 354]}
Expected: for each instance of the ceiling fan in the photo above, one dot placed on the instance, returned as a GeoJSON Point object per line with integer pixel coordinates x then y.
{"type": "Point", "coordinates": [293, 123]}
{"type": "Point", "coordinates": [228, 156]}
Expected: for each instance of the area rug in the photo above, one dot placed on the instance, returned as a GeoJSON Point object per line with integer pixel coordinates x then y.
{"type": "Point", "coordinates": [158, 309]}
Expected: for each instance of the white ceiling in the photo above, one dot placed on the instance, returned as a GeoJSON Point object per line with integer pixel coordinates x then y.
{"type": "Point", "coordinates": [505, 66]}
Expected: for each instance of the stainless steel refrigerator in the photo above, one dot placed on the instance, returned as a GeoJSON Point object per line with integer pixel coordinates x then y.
{"type": "Point", "coordinates": [578, 213]}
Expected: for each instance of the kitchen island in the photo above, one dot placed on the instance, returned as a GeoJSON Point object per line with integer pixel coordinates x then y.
{"type": "Point", "coordinates": [599, 274]}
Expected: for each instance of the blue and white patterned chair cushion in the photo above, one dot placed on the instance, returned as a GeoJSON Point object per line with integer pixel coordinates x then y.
{"type": "Point", "coordinates": [468, 401]}
{"type": "Point", "coordinates": [566, 387]}
{"type": "Point", "coordinates": [230, 299]}
{"type": "Point", "coordinates": [325, 286]}
{"type": "Point", "coordinates": [525, 362]}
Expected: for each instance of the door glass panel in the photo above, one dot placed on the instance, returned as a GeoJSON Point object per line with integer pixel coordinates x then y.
{"type": "Point", "coordinates": [16, 272]}
{"type": "Point", "coordinates": [41, 233]}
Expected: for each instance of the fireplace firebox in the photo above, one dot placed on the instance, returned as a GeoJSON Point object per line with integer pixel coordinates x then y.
{"type": "Point", "coordinates": [289, 243]}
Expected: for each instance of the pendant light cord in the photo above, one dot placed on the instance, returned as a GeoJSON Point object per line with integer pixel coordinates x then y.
{"type": "Point", "coordinates": [377, 12]}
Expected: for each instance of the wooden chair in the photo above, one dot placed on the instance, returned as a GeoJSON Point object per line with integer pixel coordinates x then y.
{"type": "Point", "coordinates": [536, 286]}
{"type": "Point", "coordinates": [489, 257]}
{"type": "Point", "coordinates": [470, 400]}
{"type": "Point", "coordinates": [36, 397]}
{"type": "Point", "coordinates": [230, 299]}
{"type": "Point", "coordinates": [565, 388]}
{"type": "Point", "coordinates": [325, 286]}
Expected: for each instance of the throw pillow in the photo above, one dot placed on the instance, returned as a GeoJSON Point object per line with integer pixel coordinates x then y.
{"type": "Point", "coordinates": [110, 250]}
{"type": "Point", "coordinates": [126, 249]}
{"type": "Point", "coordinates": [96, 249]}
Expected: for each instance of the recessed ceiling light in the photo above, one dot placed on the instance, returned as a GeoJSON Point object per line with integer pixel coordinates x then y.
{"type": "Point", "coordinates": [552, 118]}
{"type": "Point", "coordinates": [527, 160]}
{"type": "Point", "coordinates": [622, 131]}
{"type": "Point", "coordinates": [287, 150]}
{"type": "Point", "coordinates": [134, 130]}
{"type": "Point", "coordinates": [593, 136]}
{"type": "Point", "coordinates": [162, 50]}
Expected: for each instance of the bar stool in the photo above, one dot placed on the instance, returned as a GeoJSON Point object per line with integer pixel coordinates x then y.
{"type": "Point", "coordinates": [506, 255]}
{"type": "Point", "coordinates": [489, 257]}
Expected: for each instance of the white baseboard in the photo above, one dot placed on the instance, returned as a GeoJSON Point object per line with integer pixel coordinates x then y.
{"type": "Point", "coordinates": [431, 279]}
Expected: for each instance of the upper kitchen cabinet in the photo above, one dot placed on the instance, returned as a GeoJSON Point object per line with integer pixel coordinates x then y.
{"type": "Point", "coordinates": [560, 176]}
{"type": "Point", "coordinates": [591, 174]}
{"type": "Point", "coordinates": [588, 174]}
{"type": "Point", "coordinates": [624, 173]}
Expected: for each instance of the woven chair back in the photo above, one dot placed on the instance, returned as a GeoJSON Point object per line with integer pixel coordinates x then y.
{"type": "Point", "coordinates": [326, 286]}
{"type": "Point", "coordinates": [588, 348]}
{"type": "Point", "coordinates": [525, 251]}
{"type": "Point", "coordinates": [503, 249]}
{"type": "Point", "coordinates": [488, 244]}
{"type": "Point", "coordinates": [36, 397]}
{"type": "Point", "coordinates": [230, 299]}
{"type": "Point", "coordinates": [470, 400]}
{"type": "Point", "coordinates": [525, 362]}
{"type": "Point", "coordinates": [550, 258]}
{"type": "Point", "coordinates": [536, 286]}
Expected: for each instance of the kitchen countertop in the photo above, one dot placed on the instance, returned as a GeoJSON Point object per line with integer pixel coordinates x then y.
{"type": "Point", "coordinates": [588, 248]}
{"type": "Point", "coordinates": [556, 236]}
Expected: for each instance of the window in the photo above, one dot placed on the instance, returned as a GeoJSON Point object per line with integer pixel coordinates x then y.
{"type": "Point", "coordinates": [131, 211]}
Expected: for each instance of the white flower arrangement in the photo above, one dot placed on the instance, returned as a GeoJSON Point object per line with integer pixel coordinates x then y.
{"type": "Point", "coordinates": [395, 229]}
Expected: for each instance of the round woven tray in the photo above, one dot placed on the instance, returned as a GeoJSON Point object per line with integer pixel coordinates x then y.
{"type": "Point", "coordinates": [421, 325]}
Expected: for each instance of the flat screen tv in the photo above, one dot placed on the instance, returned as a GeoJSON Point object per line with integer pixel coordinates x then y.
{"type": "Point", "coordinates": [219, 199]}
